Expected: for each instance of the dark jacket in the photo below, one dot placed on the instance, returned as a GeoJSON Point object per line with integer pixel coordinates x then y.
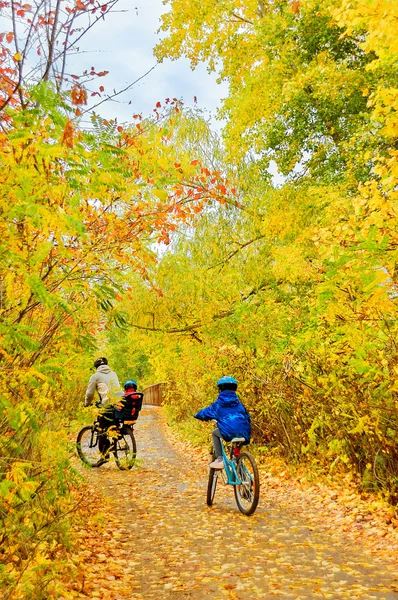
{"type": "Point", "coordinates": [232, 418]}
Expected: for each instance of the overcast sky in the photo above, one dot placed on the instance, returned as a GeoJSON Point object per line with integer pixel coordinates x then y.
{"type": "Point", "coordinates": [123, 45]}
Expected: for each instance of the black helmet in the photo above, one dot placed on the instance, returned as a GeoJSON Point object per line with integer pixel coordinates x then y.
{"type": "Point", "coordinates": [100, 361]}
{"type": "Point", "coordinates": [227, 383]}
{"type": "Point", "coordinates": [130, 384]}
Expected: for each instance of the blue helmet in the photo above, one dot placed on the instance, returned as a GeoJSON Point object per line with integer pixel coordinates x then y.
{"type": "Point", "coordinates": [227, 383]}
{"type": "Point", "coordinates": [130, 384]}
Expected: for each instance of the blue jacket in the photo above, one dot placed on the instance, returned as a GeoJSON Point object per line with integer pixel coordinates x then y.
{"type": "Point", "coordinates": [232, 418]}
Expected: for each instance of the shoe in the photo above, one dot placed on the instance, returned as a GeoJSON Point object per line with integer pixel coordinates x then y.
{"type": "Point", "coordinates": [217, 464]}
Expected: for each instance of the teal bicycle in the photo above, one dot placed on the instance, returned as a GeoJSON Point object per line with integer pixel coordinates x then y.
{"type": "Point", "coordinates": [240, 470]}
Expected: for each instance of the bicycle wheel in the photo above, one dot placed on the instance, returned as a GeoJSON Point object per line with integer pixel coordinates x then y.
{"type": "Point", "coordinates": [212, 483]}
{"type": "Point", "coordinates": [211, 486]}
{"type": "Point", "coordinates": [248, 492]}
{"type": "Point", "coordinates": [88, 448]}
{"type": "Point", "coordinates": [125, 449]}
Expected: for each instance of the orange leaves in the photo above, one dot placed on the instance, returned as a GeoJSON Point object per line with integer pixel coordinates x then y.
{"type": "Point", "coordinates": [68, 135]}
{"type": "Point", "coordinates": [78, 95]}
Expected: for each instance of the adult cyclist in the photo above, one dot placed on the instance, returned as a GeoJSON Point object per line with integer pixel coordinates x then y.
{"type": "Point", "coordinates": [106, 383]}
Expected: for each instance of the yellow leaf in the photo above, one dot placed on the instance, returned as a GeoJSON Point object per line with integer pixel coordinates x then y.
{"type": "Point", "coordinates": [161, 194]}
{"type": "Point", "coordinates": [18, 56]}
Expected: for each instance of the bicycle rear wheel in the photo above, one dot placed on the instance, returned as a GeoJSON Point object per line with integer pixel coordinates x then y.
{"type": "Point", "coordinates": [125, 449]}
{"type": "Point", "coordinates": [88, 447]}
{"type": "Point", "coordinates": [248, 492]}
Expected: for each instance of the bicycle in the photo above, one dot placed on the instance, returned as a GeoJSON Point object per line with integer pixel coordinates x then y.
{"type": "Point", "coordinates": [240, 470]}
{"type": "Point", "coordinates": [123, 445]}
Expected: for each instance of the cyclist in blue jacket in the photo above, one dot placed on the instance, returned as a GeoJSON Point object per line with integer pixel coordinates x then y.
{"type": "Point", "coordinates": [232, 418]}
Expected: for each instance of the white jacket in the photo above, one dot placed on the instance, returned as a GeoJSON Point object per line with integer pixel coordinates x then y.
{"type": "Point", "coordinates": [106, 383]}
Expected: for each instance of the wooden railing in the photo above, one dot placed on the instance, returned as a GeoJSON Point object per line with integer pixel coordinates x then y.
{"type": "Point", "coordinates": [153, 394]}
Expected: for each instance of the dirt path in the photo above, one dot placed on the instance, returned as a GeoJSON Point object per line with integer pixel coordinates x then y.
{"type": "Point", "coordinates": [178, 548]}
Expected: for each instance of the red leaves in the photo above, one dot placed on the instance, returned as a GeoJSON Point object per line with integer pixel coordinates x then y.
{"type": "Point", "coordinates": [102, 73]}
{"type": "Point", "coordinates": [9, 37]}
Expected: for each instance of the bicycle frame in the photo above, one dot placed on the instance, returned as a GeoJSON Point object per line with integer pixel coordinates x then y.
{"type": "Point", "coordinates": [229, 473]}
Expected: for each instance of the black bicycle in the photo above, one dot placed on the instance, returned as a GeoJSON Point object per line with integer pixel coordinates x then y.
{"type": "Point", "coordinates": [122, 445]}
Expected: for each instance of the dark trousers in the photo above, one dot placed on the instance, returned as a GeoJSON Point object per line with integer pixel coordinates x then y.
{"type": "Point", "coordinates": [216, 437]}
{"type": "Point", "coordinates": [105, 421]}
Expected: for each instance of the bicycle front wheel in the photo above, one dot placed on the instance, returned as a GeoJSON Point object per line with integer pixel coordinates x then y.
{"type": "Point", "coordinates": [125, 449]}
{"type": "Point", "coordinates": [88, 447]}
{"type": "Point", "coordinates": [212, 483]}
{"type": "Point", "coordinates": [248, 492]}
{"type": "Point", "coordinates": [211, 486]}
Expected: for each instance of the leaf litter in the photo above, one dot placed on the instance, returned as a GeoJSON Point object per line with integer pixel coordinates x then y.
{"type": "Point", "coordinates": [149, 534]}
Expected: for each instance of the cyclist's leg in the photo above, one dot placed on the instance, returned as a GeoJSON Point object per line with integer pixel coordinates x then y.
{"type": "Point", "coordinates": [105, 421]}
{"type": "Point", "coordinates": [216, 437]}
{"type": "Point", "coordinates": [218, 463]}
{"type": "Point", "coordinates": [118, 417]}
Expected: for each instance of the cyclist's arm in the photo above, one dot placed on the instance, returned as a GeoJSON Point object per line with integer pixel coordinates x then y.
{"type": "Point", "coordinates": [207, 414]}
{"type": "Point", "coordinates": [91, 388]}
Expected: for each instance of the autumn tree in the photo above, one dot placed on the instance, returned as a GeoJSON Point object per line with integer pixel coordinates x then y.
{"type": "Point", "coordinates": [293, 285]}
{"type": "Point", "coordinates": [80, 210]}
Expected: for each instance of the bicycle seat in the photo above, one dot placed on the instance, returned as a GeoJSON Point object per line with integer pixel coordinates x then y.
{"type": "Point", "coordinates": [238, 440]}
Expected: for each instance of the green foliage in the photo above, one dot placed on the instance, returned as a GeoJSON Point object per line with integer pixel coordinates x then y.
{"type": "Point", "coordinates": [290, 288]}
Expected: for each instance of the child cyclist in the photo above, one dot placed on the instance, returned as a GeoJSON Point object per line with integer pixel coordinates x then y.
{"type": "Point", "coordinates": [232, 418]}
